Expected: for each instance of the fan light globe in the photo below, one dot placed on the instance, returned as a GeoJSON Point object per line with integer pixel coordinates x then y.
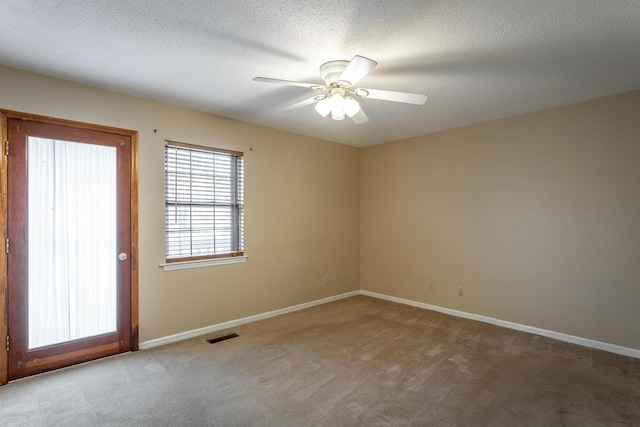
{"type": "Point", "coordinates": [337, 106]}
{"type": "Point", "coordinates": [337, 101]}
{"type": "Point", "coordinates": [351, 107]}
{"type": "Point", "coordinates": [337, 114]}
{"type": "Point", "coordinates": [323, 107]}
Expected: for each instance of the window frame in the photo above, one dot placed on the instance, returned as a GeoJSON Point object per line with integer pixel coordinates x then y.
{"type": "Point", "coordinates": [237, 209]}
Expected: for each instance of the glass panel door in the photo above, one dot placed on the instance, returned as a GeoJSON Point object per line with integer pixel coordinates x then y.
{"type": "Point", "coordinates": [69, 239]}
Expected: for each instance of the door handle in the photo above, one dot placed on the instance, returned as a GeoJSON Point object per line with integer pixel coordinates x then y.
{"type": "Point", "coordinates": [122, 256]}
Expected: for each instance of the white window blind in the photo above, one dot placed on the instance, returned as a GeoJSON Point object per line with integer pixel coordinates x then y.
{"type": "Point", "coordinates": [204, 202]}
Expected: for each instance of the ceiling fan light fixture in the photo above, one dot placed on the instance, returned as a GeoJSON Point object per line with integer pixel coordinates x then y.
{"type": "Point", "coordinates": [351, 107]}
{"type": "Point", "coordinates": [337, 101]}
{"type": "Point", "coordinates": [339, 95]}
{"type": "Point", "coordinates": [337, 114]}
{"type": "Point", "coordinates": [323, 107]}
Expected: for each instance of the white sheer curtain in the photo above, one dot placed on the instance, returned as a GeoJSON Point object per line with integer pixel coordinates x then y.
{"type": "Point", "coordinates": [71, 240]}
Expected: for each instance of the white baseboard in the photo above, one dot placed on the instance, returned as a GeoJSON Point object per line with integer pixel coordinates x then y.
{"type": "Point", "coordinates": [233, 323]}
{"type": "Point", "coordinates": [612, 348]}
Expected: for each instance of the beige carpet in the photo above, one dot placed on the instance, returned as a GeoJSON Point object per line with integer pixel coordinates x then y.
{"type": "Point", "coordinates": [354, 362]}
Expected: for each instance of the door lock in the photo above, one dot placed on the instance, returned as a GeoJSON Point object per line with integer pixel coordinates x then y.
{"type": "Point", "coordinates": [122, 256]}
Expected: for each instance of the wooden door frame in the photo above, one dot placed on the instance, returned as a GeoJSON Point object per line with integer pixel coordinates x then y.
{"type": "Point", "coordinates": [4, 300]}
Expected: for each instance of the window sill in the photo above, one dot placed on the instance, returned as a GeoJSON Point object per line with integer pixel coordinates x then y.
{"type": "Point", "coordinates": [170, 266]}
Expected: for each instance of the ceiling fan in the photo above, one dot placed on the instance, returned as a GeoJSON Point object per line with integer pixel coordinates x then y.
{"type": "Point", "coordinates": [338, 94]}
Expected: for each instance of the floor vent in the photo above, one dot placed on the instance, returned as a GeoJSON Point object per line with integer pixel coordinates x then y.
{"type": "Point", "coordinates": [226, 337]}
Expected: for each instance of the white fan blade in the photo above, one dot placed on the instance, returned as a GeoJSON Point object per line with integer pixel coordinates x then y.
{"type": "Point", "coordinates": [288, 82]}
{"type": "Point", "coordinates": [357, 69]}
{"type": "Point", "coordinates": [389, 95]}
{"type": "Point", "coordinates": [360, 118]}
{"type": "Point", "coordinates": [300, 104]}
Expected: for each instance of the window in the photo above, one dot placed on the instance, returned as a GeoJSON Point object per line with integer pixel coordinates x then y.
{"type": "Point", "coordinates": [204, 202]}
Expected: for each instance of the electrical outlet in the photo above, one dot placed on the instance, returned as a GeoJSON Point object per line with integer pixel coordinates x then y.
{"type": "Point", "coordinates": [326, 279]}
{"type": "Point", "coordinates": [461, 291]}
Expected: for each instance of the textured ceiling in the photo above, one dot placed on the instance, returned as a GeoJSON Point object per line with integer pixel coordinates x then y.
{"type": "Point", "coordinates": [476, 60]}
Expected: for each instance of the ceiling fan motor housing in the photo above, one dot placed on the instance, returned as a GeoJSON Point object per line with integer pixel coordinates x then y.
{"type": "Point", "coordinates": [332, 70]}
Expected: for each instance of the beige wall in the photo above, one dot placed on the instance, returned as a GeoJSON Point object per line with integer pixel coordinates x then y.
{"type": "Point", "coordinates": [301, 213]}
{"type": "Point", "coordinates": [536, 216]}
